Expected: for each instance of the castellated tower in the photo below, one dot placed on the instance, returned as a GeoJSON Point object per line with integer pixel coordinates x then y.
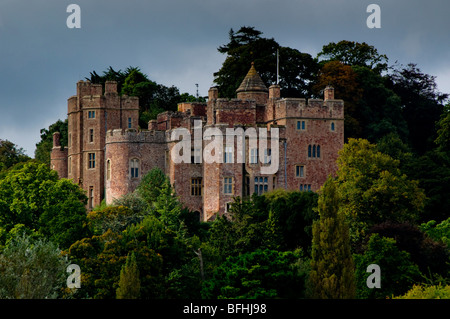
{"type": "Point", "coordinates": [90, 114]}
{"type": "Point", "coordinates": [129, 155]}
{"type": "Point", "coordinates": [108, 156]}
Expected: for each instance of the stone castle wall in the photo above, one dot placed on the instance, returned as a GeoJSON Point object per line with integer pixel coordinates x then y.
{"type": "Point", "coordinates": [113, 136]}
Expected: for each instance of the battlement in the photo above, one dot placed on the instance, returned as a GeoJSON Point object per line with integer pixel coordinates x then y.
{"type": "Point", "coordinates": [313, 108]}
{"type": "Point", "coordinates": [87, 88]}
{"type": "Point", "coordinates": [223, 103]}
{"type": "Point", "coordinates": [91, 96]}
{"type": "Point", "coordinates": [130, 102]}
{"type": "Point", "coordinates": [169, 120]}
{"type": "Point", "coordinates": [231, 111]}
{"type": "Point", "coordinates": [134, 136]}
{"type": "Point", "coordinates": [193, 108]}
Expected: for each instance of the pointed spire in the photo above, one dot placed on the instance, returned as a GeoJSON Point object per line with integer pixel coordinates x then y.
{"type": "Point", "coordinates": [252, 82]}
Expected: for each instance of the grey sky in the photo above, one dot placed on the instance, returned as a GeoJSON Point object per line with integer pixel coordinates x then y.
{"type": "Point", "coordinates": [175, 43]}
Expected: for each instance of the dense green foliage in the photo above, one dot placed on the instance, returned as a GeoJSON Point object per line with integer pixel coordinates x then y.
{"type": "Point", "coordinates": [257, 275]}
{"type": "Point", "coordinates": [370, 184]}
{"type": "Point", "coordinates": [31, 269]}
{"type": "Point", "coordinates": [34, 197]}
{"type": "Point", "coordinates": [399, 273]}
{"type": "Point", "coordinates": [427, 292]}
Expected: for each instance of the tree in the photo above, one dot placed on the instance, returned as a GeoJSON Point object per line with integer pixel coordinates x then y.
{"type": "Point", "coordinates": [134, 77]}
{"type": "Point", "coordinates": [151, 185]}
{"type": "Point", "coordinates": [34, 196]}
{"type": "Point", "coordinates": [291, 215]}
{"type": "Point", "coordinates": [167, 208]}
{"type": "Point", "coordinates": [110, 75]}
{"type": "Point", "coordinates": [355, 53]}
{"type": "Point", "coordinates": [437, 231]}
{"type": "Point", "coordinates": [298, 72]}
{"type": "Point", "coordinates": [379, 110]}
{"type": "Point", "coordinates": [101, 257]}
{"type": "Point", "coordinates": [345, 83]}
{"type": "Point", "coordinates": [432, 171]}
{"type": "Point", "coordinates": [391, 144]}
{"type": "Point", "coordinates": [174, 250]}
{"type": "Point", "coordinates": [426, 292]}
{"type": "Point", "coordinates": [262, 274]}
{"type": "Point", "coordinates": [115, 218]}
{"type": "Point", "coordinates": [332, 268]}
{"type": "Point", "coordinates": [45, 145]}
{"type": "Point", "coordinates": [398, 272]}
{"type": "Point", "coordinates": [133, 201]}
{"type": "Point", "coordinates": [129, 283]}
{"type": "Point", "coordinates": [431, 256]}
{"type": "Point", "coordinates": [422, 104]}
{"type": "Point", "coordinates": [10, 155]}
{"type": "Point", "coordinates": [31, 269]}
{"type": "Point", "coordinates": [63, 216]}
{"type": "Point", "coordinates": [373, 189]}
{"type": "Point", "coordinates": [443, 131]}
{"type": "Point", "coordinates": [247, 45]}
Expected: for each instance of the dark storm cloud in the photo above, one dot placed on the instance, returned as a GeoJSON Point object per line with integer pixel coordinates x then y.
{"type": "Point", "coordinates": [175, 43]}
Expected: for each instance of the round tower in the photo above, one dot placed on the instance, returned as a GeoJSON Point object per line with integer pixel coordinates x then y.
{"type": "Point", "coordinates": [58, 156]}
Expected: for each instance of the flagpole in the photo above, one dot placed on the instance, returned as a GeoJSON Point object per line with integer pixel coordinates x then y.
{"type": "Point", "coordinates": [278, 67]}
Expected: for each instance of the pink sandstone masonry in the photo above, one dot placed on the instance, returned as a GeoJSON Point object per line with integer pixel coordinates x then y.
{"type": "Point", "coordinates": [108, 154]}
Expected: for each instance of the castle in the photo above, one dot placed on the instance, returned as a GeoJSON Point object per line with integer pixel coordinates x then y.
{"type": "Point", "coordinates": [107, 155]}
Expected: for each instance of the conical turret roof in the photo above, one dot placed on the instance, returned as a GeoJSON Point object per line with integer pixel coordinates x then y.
{"type": "Point", "coordinates": [252, 82]}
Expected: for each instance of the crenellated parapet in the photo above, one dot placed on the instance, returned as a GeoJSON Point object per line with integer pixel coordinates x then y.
{"type": "Point", "coordinates": [91, 96]}
{"type": "Point", "coordinates": [134, 136]}
{"type": "Point", "coordinates": [313, 108]}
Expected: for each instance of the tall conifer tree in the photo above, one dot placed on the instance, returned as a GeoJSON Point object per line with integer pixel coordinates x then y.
{"type": "Point", "coordinates": [129, 283]}
{"type": "Point", "coordinates": [332, 268]}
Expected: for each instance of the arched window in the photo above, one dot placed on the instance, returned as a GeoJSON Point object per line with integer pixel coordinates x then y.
{"type": "Point", "coordinates": [314, 151]}
{"type": "Point", "coordinates": [134, 168]}
{"type": "Point", "coordinates": [318, 150]}
{"type": "Point", "coordinates": [332, 126]}
{"type": "Point", "coordinates": [309, 151]}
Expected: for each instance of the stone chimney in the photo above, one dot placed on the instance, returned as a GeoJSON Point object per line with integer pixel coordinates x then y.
{"type": "Point", "coordinates": [274, 91]}
{"type": "Point", "coordinates": [328, 93]}
{"type": "Point", "coordinates": [213, 94]}
{"type": "Point", "coordinates": [56, 140]}
{"type": "Point", "coordinates": [152, 125]}
{"type": "Point", "coordinates": [110, 87]}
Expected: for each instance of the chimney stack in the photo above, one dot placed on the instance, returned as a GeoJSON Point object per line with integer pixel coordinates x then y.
{"type": "Point", "coordinates": [328, 93]}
